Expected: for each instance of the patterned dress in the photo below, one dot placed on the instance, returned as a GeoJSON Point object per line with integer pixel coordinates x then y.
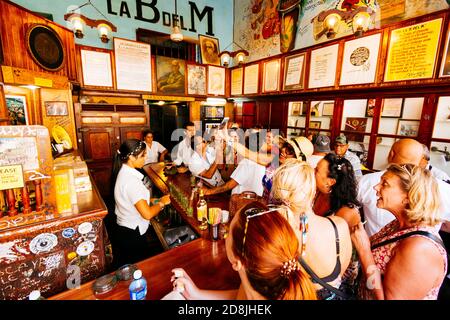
{"type": "Point", "coordinates": [382, 255]}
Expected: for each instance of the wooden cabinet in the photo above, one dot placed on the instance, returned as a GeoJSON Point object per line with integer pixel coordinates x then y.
{"type": "Point", "coordinates": [101, 128]}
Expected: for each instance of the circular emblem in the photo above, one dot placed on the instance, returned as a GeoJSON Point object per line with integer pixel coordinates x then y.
{"type": "Point", "coordinates": [85, 248]}
{"type": "Point", "coordinates": [45, 47]}
{"type": "Point", "coordinates": [68, 233]}
{"type": "Point", "coordinates": [43, 243]}
{"type": "Point", "coordinates": [359, 56]}
{"type": "Point", "coordinates": [85, 227]}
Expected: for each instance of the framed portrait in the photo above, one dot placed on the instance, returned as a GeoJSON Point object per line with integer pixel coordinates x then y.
{"type": "Point", "coordinates": [17, 110]}
{"type": "Point", "coordinates": [355, 125]}
{"type": "Point", "coordinates": [315, 124]}
{"type": "Point", "coordinates": [445, 67]}
{"type": "Point", "coordinates": [296, 108]}
{"type": "Point", "coordinates": [216, 81]}
{"type": "Point", "coordinates": [196, 79]}
{"type": "Point", "coordinates": [409, 128]}
{"type": "Point", "coordinates": [45, 47]}
{"type": "Point", "coordinates": [56, 108]}
{"type": "Point", "coordinates": [294, 72]}
{"type": "Point", "coordinates": [209, 48]}
{"type": "Point", "coordinates": [370, 109]}
{"type": "Point", "coordinates": [328, 108]}
{"type": "Point", "coordinates": [271, 76]}
{"type": "Point", "coordinates": [170, 75]}
{"type": "Point", "coordinates": [392, 108]}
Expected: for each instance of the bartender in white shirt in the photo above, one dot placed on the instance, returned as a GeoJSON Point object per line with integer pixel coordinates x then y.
{"type": "Point", "coordinates": [132, 209]}
{"type": "Point", "coordinates": [155, 150]}
{"type": "Point", "coordinates": [182, 152]}
{"type": "Point", "coordinates": [203, 162]}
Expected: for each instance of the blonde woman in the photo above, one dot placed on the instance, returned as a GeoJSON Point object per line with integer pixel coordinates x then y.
{"type": "Point", "coordinates": [325, 241]}
{"type": "Point", "coordinates": [406, 259]}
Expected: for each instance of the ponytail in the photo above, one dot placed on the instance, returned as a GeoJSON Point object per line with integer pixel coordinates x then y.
{"type": "Point", "coordinates": [299, 286]}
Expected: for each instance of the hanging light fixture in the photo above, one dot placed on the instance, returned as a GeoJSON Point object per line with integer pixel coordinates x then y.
{"type": "Point", "coordinates": [176, 34]}
{"type": "Point", "coordinates": [103, 32]}
{"type": "Point", "coordinates": [226, 56]}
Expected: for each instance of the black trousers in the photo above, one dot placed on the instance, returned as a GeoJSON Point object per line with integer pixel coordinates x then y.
{"type": "Point", "coordinates": [130, 246]}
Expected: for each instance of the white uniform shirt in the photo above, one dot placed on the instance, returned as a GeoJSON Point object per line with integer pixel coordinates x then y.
{"type": "Point", "coordinates": [248, 175]}
{"type": "Point", "coordinates": [129, 189]}
{"type": "Point", "coordinates": [198, 164]}
{"type": "Point", "coordinates": [183, 152]}
{"type": "Point", "coordinates": [378, 218]}
{"type": "Point", "coordinates": [313, 160]}
{"type": "Point", "coordinates": [153, 152]}
{"type": "Point", "coordinates": [438, 173]}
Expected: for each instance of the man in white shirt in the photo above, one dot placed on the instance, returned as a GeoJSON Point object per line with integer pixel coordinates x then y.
{"type": "Point", "coordinates": [182, 152]}
{"type": "Point", "coordinates": [402, 152]}
{"type": "Point", "coordinates": [155, 151]}
{"type": "Point", "coordinates": [203, 162]}
{"type": "Point", "coordinates": [341, 150]}
{"type": "Point", "coordinates": [436, 172]}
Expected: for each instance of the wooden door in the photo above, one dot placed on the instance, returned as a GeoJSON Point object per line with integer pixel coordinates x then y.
{"type": "Point", "coordinates": [99, 143]}
{"type": "Point", "coordinates": [131, 133]}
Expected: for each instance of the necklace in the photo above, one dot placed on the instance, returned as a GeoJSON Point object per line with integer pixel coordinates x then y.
{"type": "Point", "coordinates": [304, 230]}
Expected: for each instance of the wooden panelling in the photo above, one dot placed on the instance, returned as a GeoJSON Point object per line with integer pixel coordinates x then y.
{"type": "Point", "coordinates": [14, 23]}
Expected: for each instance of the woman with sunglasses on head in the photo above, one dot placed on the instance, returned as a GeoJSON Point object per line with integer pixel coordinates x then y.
{"type": "Point", "coordinates": [406, 259]}
{"type": "Point", "coordinates": [132, 198]}
{"type": "Point", "coordinates": [325, 243]}
{"type": "Point", "coordinates": [263, 249]}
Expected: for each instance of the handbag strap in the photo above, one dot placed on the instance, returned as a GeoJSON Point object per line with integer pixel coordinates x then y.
{"type": "Point", "coordinates": [406, 235]}
{"type": "Point", "coordinates": [324, 284]}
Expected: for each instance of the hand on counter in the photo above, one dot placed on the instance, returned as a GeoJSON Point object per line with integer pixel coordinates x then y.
{"type": "Point", "coordinates": [165, 199]}
{"type": "Point", "coordinates": [184, 284]}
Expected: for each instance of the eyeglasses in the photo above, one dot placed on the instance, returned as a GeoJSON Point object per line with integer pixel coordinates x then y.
{"type": "Point", "coordinates": [253, 213]}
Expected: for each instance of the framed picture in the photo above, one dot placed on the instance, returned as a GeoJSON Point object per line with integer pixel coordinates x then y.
{"type": "Point", "coordinates": [209, 48]}
{"type": "Point", "coordinates": [392, 108]}
{"type": "Point", "coordinates": [216, 81]}
{"type": "Point", "coordinates": [328, 108]}
{"type": "Point", "coordinates": [294, 72]}
{"type": "Point", "coordinates": [170, 75]}
{"type": "Point", "coordinates": [17, 110]}
{"type": "Point", "coordinates": [45, 47]}
{"type": "Point", "coordinates": [370, 109]}
{"type": "Point", "coordinates": [196, 79]}
{"type": "Point", "coordinates": [271, 76]}
{"type": "Point", "coordinates": [323, 66]}
{"type": "Point", "coordinates": [236, 81]}
{"type": "Point", "coordinates": [296, 108]}
{"type": "Point", "coordinates": [409, 128]}
{"type": "Point", "coordinates": [445, 67]}
{"type": "Point", "coordinates": [251, 76]}
{"type": "Point", "coordinates": [358, 125]}
{"type": "Point", "coordinates": [315, 124]}
{"type": "Point", "coordinates": [96, 68]}
{"type": "Point", "coordinates": [56, 108]}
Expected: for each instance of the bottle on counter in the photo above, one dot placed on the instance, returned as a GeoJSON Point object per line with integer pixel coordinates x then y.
{"type": "Point", "coordinates": [138, 287]}
{"type": "Point", "coordinates": [202, 211]}
{"type": "Point", "coordinates": [35, 295]}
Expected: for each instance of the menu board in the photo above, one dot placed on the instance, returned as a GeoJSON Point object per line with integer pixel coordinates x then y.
{"type": "Point", "coordinates": [323, 67]}
{"type": "Point", "coordinates": [236, 81]}
{"type": "Point", "coordinates": [96, 68]}
{"type": "Point", "coordinates": [133, 65]}
{"type": "Point", "coordinates": [23, 151]}
{"type": "Point", "coordinates": [412, 51]}
{"type": "Point", "coordinates": [251, 79]}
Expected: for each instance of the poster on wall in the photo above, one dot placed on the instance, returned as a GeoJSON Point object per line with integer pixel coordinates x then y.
{"type": "Point", "coordinates": [96, 68]}
{"type": "Point", "coordinates": [196, 79]}
{"type": "Point", "coordinates": [133, 65]}
{"type": "Point", "coordinates": [359, 64]}
{"type": "Point", "coordinates": [216, 81]}
{"type": "Point", "coordinates": [17, 110]}
{"type": "Point", "coordinates": [271, 79]}
{"type": "Point", "coordinates": [170, 75]}
{"type": "Point", "coordinates": [294, 72]}
{"type": "Point", "coordinates": [323, 67]}
{"type": "Point", "coordinates": [412, 51]}
{"type": "Point", "coordinates": [445, 67]}
{"type": "Point", "coordinates": [236, 81]}
{"type": "Point", "coordinates": [251, 74]}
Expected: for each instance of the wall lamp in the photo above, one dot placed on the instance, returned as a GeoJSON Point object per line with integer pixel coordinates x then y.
{"type": "Point", "coordinates": [226, 56]}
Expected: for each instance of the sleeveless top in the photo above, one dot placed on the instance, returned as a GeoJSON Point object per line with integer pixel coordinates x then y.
{"type": "Point", "coordinates": [383, 254]}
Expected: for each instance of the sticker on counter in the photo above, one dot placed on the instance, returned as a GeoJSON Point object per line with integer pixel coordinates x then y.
{"type": "Point", "coordinates": [71, 255]}
{"type": "Point", "coordinates": [85, 227]}
{"type": "Point", "coordinates": [85, 248]}
{"type": "Point", "coordinates": [68, 233]}
{"type": "Point", "coordinates": [43, 243]}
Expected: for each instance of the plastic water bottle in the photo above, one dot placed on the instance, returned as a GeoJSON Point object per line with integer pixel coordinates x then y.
{"type": "Point", "coordinates": [35, 295]}
{"type": "Point", "coordinates": [138, 287]}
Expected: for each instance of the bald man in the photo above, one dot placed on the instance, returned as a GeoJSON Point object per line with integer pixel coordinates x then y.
{"type": "Point", "coordinates": [402, 151]}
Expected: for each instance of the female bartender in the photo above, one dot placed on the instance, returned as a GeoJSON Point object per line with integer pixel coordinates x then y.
{"type": "Point", "coordinates": [133, 211]}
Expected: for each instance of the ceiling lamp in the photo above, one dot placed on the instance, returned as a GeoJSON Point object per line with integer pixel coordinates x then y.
{"type": "Point", "coordinates": [176, 34]}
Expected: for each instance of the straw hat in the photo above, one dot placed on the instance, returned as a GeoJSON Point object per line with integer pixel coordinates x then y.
{"type": "Point", "coordinates": [301, 146]}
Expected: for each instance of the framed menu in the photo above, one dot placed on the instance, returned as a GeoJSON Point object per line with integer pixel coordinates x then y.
{"type": "Point", "coordinates": [323, 67]}
{"type": "Point", "coordinates": [251, 74]}
{"type": "Point", "coordinates": [294, 72]}
{"type": "Point", "coordinates": [236, 81]}
{"type": "Point", "coordinates": [96, 68]}
{"type": "Point", "coordinates": [216, 80]}
{"type": "Point", "coordinates": [392, 108]}
{"type": "Point", "coordinates": [359, 64]}
{"type": "Point", "coordinates": [412, 51]}
{"type": "Point", "coordinates": [271, 79]}
{"type": "Point", "coordinates": [445, 67]}
{"type": "Point", "coordinates": [133, 65]}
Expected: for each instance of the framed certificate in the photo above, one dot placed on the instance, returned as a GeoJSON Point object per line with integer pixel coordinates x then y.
{"type": "Point", "coordinates": [392, 108]}
{"type": "Point", "coordinates": [96, 66]}
{"type": "Point", "coordinates": [359, 64]}
{"type": "Point", "coordinates": [271, 79]}
{"type": "Point", "coordinates": [323, 67]}
{"type": "Point", "coordinates": [294, 72]}
{"type": "Point", "coordinates": [236, 81]}
{"type": "Point", "coordinates": [251, 79]}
